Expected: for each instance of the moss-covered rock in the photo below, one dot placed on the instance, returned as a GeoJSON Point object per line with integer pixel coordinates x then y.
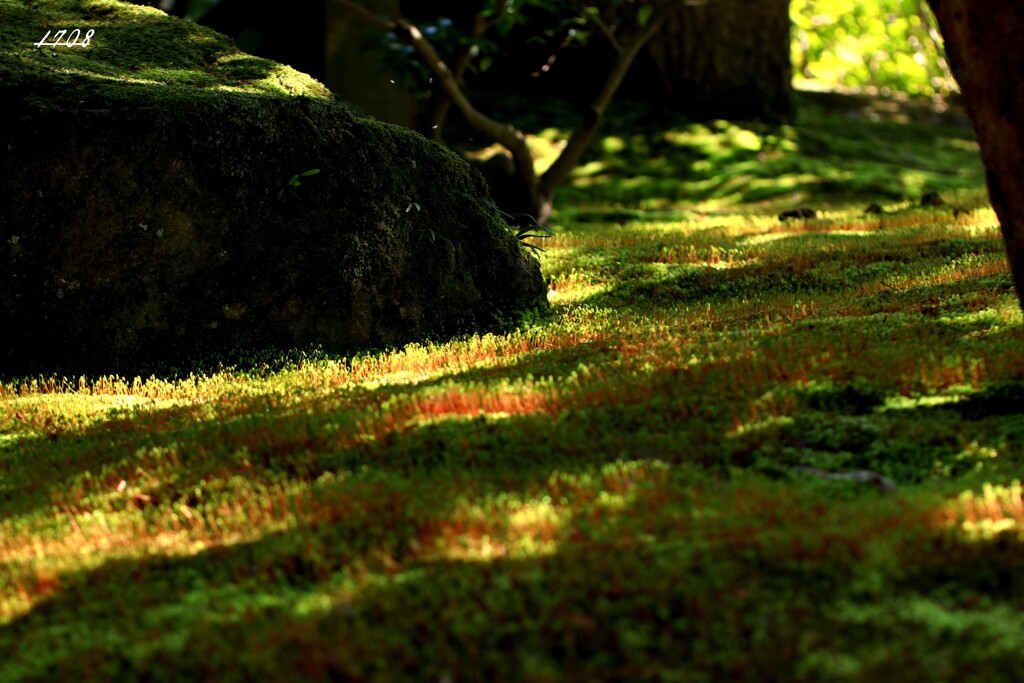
{"type": "Point", "coordinates": [149, 208]}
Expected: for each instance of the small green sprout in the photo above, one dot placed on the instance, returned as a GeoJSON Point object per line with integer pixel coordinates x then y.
{"type": "Point", "coordinates": [425, 232]}
{"type": "Point", "coordinates": [292, 184]}
{"type": "Point", "coordinates": [523, 225]}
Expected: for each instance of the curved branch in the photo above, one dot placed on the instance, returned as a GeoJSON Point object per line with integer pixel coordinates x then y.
{"type": "Point", "coordinates": [512, 139]}
{"type": "Point", "coordinates": [593, 15]}
{"type": "Point", "coordinates": [439, 101]}
{"type": "Point", "coordinates": [584, 132]}
{"type": "Point", "coordinates": [508, 136]}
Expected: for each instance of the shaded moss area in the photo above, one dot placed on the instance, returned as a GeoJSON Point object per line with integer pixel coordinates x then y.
{"type": "Point", "coordinates": [153, 222]}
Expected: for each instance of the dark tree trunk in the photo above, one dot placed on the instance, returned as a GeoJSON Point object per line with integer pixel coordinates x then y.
{"type": "Point", "coordinates": [727, 59]}
{"type": "Point", "coordinates": [357, 72]}
{"type": "Point", "coordinates": [986, 54]}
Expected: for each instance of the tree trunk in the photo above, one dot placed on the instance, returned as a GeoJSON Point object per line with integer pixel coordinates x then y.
{"type": "Point", "coordinates": [356, 72]}
{"type": "Point", "coordinates": [727, 59]}
{"type": "Point", "coordinates": [986, 55]}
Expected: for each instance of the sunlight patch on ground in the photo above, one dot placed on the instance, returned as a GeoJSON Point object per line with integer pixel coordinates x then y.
{"type": "Point", "coordinates": [727, 265]}
{"type": "Point", "coordinates": [983, 515]}
{"type": "Point", "coordinates": [759, 425]}
{"type": "Point", "coordinates": [531, 528]}
{"type": "Point", "coordinates": [423, 420]}
{"type": "Point", "coordinates": [54, 413]}
{"type": "Point", "coordinates": [399, 378]}
{"type": "Point", "coordinates": [32, 568]}
{"type": "Point", "coordinates": [564, 296]}
{"type": "Point", "coordinates": [765, 238]}
{"type": "Point", "coordinates": [911, 403]}
{"type": "Point", "coordinates": [852, 233]}
{"type": "Point", "coordinates": [114, 79]}
{"type": "Point", "coordinates": [978, 268]}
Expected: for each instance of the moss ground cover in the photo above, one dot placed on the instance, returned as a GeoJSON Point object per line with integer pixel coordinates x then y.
{"type": "Point", "coordinates": [846, 149]}
{"type": "Point", "coordinates": [641, 488]}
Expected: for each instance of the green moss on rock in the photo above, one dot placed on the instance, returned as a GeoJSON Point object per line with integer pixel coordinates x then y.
{"type": "Point", "coordinates": [132, 45]}
{"type": "Point", "coordinates": [141, 220]}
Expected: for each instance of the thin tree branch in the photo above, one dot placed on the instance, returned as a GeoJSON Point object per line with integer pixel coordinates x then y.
{"type": "Point", "coordinates": [593, 15]}
{"type": "Point", "coordinates": [439, 101]}
{"type": "Point", "coordinates": [509, 137]}
{"type": "Point", "coordinates": [584, 133]}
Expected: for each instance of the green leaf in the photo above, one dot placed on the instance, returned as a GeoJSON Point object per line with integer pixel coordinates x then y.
{"type": "Point", "coordinates": [528, 232]}
{"type": "Point", "coordinates": [643, 15]}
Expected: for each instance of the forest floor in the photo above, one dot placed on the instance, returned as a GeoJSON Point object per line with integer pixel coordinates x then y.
{"type": "Point", "coordinates": [741, 449]}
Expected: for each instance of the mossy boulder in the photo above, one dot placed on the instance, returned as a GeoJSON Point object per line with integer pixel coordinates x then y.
{"type": "Point", "coordinates": [153, 207]}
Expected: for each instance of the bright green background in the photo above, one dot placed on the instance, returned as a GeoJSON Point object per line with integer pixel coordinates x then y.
{"type": "Point", "coordinates": [889, 45]}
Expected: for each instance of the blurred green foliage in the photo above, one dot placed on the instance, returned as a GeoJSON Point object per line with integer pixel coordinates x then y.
{"type": "Point", "coordinates": [885, 46]}
{"type": "Point", "coordinates": [882, 47]}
